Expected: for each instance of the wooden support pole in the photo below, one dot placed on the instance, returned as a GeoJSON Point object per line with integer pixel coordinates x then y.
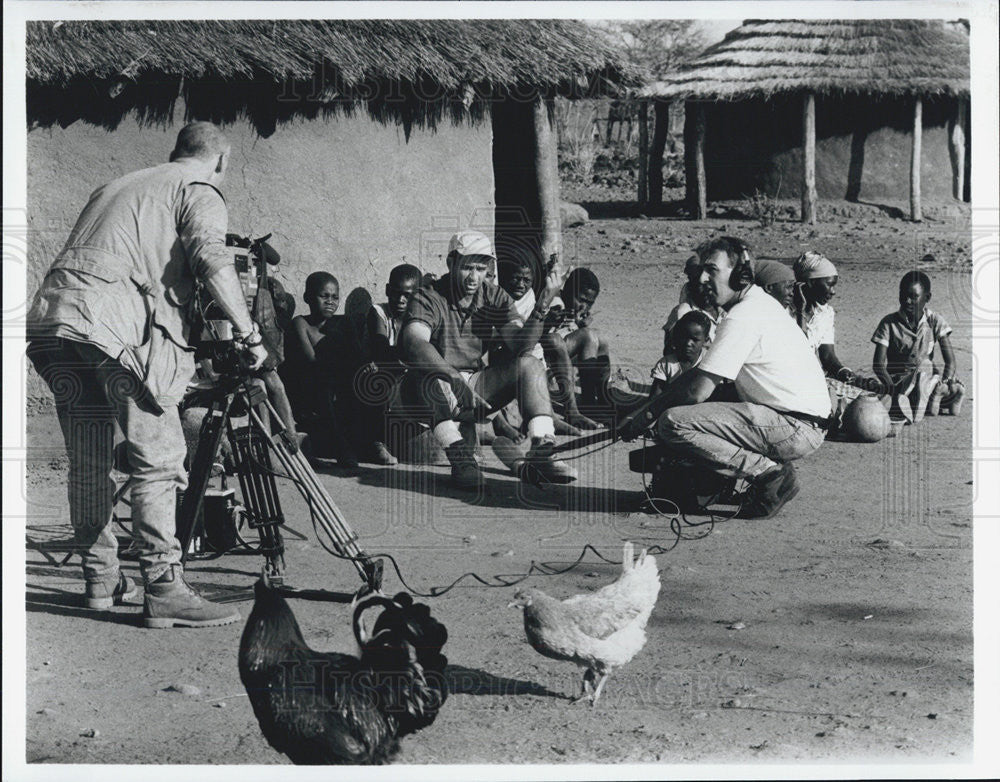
{"type": "Point", "coordinates": [643, 153]}
{"type": "Point", "coordinates": [661, 127]}
{"type": "Point", "coordinates": [701, 194]}
{"type": "Point", "coordinates": [956, 148]}
{"type": "Point", "coordinates": [547, 175]}
{"type": "Point", "coordinates": [918, 126]}
{"type": "Point", "coordinates": [809, 158]}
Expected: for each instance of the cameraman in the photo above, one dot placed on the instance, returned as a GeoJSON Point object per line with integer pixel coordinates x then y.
{"type": "Point", "coordinates": [107, 331]}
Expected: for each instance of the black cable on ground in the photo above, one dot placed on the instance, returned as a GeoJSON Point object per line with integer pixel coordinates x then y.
{"type": "Point", "coordinates": [678, 522]}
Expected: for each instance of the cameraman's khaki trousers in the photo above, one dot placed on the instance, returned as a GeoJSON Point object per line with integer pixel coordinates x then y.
{"type": "Point", "coordinates": [93, 392]}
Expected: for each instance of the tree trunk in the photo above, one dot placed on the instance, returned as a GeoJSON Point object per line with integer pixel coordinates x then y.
{"type": "Point", "coordinates": [809, 158]}
{"type": "Point", "coordinates": [956, 146]}
{"type": "Point", "coordinates": [661, 112]}
{"type": "Point", "coordinates": [701, 195]}
{"type": "Point", "coordinates": [643, 153]}
{"type": "Point", "coordinates": [918, 126]}
{"type": "Point", "coordinates": [547, 175]}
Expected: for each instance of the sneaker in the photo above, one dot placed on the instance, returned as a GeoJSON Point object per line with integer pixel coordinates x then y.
{"type": "Point", "coordinates": [382, 455]}
{"type": "Point", "coordinates": [465, 470]}
{"type": "Point", "coordinates": [539, 460]}
{"type": "Point", "coordinates": [769, 492]}
{"type": "Point", "coordinates": [104, 594]}
{"type": "Point", "coordinates": [171, 601]}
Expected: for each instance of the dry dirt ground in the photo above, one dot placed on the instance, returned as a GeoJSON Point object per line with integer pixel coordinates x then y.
{"type": "Point", "coordinates": [839, 631]}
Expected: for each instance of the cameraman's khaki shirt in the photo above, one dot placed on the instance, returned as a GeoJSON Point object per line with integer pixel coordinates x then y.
{"type": "Point", "coordinates": [127, 274]}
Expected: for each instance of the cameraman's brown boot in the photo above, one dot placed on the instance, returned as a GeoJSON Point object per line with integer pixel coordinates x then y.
{"type": "Point", "coordinates": [170, 601]}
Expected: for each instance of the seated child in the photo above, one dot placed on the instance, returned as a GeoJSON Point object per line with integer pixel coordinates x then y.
{"type": "Point", "coordinates": [682, 349]}
{"type": "Point", "coordinates": [312, 355]}
{"type": "Point", "coordinates": [692, 298]}
{"type": "Point", "coordinates": [382, 332]}
{"type": "Point", "coordinates": [904, 352]}
{"type": "Point", "coordinates": [575, 343]}
{"type": "Point", "coordinates": [816, 283]}
{"type": "Point", "coordinates": [517, 278]}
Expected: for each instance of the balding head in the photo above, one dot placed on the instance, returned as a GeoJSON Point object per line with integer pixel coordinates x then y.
{"type": "Point", "coordinates": [201, 140]}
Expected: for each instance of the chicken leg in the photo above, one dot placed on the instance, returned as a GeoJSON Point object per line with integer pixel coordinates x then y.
{"type": "Point", "coordinates": [587, 690]}
{"type": "Point", "coordinates": [597, 690]}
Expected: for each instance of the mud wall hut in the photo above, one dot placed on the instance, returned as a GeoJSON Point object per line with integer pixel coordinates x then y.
{"type": "Point", "coordinates": [358, 144]}
{"type": "Point", "coordinates": [863, 110]}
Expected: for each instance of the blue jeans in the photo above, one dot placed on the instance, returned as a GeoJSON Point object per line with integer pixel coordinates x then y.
{"type": "Point", "coordinates": [92, 393]}
{"type": "Point", "coordinates": [744, 437]}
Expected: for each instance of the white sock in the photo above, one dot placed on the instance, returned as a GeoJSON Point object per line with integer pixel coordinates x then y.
{"type": "Point", "coordinates": [541, 426]}
{"type": "Point", "coordinates": [446, 433]}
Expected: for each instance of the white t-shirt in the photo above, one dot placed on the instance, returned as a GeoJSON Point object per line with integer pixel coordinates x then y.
{"type": "Point", "coordinates": [523, 307]}
{"type": "Point", "coordinates": [766, 354]}
{"type": "Point", "coordinates": [818, 325]}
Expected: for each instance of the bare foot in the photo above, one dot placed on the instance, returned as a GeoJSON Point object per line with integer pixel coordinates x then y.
{"type": "Point", "coordinates": [579, 420]}
{"type": "Point", "coordinates": [503, 429]}
{"type": "Point", "coordinates": [564, 428]}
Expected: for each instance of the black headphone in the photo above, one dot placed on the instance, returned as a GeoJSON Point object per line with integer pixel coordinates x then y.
{"type": "Point", "coordinates": [742, 276]}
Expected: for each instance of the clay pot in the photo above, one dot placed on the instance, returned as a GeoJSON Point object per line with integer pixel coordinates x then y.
{"type": "Point", "coordinates": [866, 420]}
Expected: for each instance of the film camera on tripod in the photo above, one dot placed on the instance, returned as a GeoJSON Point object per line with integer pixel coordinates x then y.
{"type": "Point", "coordinates": [210, 519]}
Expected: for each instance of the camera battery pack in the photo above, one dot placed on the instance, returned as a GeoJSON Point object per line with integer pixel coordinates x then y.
{"type": "Point", "coordinates": [220, 511]}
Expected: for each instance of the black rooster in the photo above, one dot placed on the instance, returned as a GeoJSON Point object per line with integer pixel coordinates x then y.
{"type": "Point", "coordinates": [330, 708]}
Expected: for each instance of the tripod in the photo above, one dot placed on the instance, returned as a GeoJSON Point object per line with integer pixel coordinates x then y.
{"type": "Point", "coordinates": [252, 447]}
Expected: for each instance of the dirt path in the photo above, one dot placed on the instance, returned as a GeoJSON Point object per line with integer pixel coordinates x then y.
{"type": "Point", "coordinates": [841, 630]}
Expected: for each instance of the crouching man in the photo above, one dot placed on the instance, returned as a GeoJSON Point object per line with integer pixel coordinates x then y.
{"type": "Point", "coordinates": [448, 328]}
{"type": "Point", "coordinates": [784, 407]}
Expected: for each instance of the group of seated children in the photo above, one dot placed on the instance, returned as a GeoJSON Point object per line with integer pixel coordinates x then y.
{"type": "Point", "coordinates": [340, 391]}
{"type": "Point", "coordinates": [569, 345]}
{"type": "Point", "coordinates": [905, 340]}
{"type": "Point", "coordinates": [329, 380]}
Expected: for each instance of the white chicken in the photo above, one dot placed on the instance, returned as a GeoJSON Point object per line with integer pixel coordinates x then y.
{"type": "Point", "coordinates": [599, 631]}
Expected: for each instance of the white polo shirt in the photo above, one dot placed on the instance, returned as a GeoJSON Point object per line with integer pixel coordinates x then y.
{"type": "Point", "coordinates": [768, 357]}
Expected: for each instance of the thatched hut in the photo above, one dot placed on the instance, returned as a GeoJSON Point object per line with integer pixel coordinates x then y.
{"type": "Point", "coordinates": [866, 109]}
{"type": "Point", "coordinates": [358, 144]}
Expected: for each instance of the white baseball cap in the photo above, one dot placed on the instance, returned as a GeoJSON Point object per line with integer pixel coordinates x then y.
{"type": "Point", "coordinates": [471, 243]}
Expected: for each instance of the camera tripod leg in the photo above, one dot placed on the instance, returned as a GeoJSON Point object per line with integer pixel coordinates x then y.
{"type": "Point", "coordinates": [260, 493]}
{"type": "Point", "coordinates": [209, 440]}
{"type": "Point", "coordinates": [321, 504]}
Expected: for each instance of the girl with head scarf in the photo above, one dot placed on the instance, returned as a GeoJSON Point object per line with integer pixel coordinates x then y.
{"type": "Point", "coordinates": [816, 282]}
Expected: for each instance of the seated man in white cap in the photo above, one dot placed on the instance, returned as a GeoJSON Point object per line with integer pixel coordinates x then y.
{"type": "Point", "coordinates": [448, 328]}
{"type": "Point", "coordinates": [816, 282]}
{"type": "Point", "coordinates": [784, 408]}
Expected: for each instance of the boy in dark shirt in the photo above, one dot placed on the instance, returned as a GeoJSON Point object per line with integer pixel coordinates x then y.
{"type": "Point", "coordinates": [582, 344]}
{"type": "Point", "coordinates": [383, 324]}
{"type": "Point", "coordinates": [312, 356]}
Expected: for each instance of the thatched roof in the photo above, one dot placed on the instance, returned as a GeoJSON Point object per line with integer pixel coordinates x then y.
{"type": "Point", "coordinates": [882, 56]}
{"type": "Point", "coordinates": [413, 71]}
